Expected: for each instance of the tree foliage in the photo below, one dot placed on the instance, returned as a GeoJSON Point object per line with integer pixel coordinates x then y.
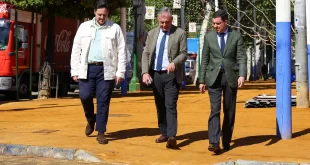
{"type": "Point", "coordinates": [264, 13]}
{"type": "Point", "coordinates": [193, 12]}
{"type": "Point", "coordinates": [69, 8]}
{"type": "Point", "coordinates": [114, 6]}
{"type": "Point", "coordinates": [84, 9]}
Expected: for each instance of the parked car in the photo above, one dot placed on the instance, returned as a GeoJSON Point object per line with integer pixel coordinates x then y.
{"type": "Point", "coordinates": [190, 71]}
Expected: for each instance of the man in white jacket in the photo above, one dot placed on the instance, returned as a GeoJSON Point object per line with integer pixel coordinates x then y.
{"type": "Point", "coordinates": [98, 62]}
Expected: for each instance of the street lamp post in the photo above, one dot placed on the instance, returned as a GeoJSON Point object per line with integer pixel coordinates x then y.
{"type": "Point", "coordinates": [134, 82]}
{"type": "Point", "coordinates": [198, 27]}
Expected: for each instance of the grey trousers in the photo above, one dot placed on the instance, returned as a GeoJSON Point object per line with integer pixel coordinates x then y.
{"type": "Point", "coordinates": [219, 88]}
{"type": "Point", "coordinates": [166, 93]}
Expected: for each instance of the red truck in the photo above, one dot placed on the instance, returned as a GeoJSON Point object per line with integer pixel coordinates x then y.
{"type": "Point", "coordinates": [65, 30]}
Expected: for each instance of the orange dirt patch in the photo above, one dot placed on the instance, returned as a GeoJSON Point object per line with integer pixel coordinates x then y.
{"type": "Point", "coordinates": [132, 129]}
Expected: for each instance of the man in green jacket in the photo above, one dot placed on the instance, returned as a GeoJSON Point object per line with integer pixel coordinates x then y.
{"type": "Point", "coordinates": [223, 70]}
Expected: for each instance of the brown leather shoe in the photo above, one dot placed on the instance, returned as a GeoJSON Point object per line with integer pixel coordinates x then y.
{"type": "Point", "coordinates": [101, 139]}
{"type": "Point", "coordinates": [172, 143]}
{"type": "Point", "coordinates": [89, 129]}
{"type": "Point", "coordinates": [215, 148]}
{"type": "Point", "coordinates": [161, 139]}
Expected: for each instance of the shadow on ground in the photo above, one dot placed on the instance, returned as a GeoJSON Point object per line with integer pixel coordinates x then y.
{"type": "Point", "coordinates": [192, 137]}
{"type": "Point", "coordinates": [251, 140]}
{"type": "Point", "coordinates": [132, 133]}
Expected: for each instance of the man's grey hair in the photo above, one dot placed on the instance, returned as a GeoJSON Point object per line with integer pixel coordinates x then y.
{"type": "Point", "coordinates": [164, 10]}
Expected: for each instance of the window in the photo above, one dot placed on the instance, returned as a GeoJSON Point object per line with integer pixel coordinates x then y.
{"type": "Point", "coordinates": [4, 33]}
{"type": "Point", "coordinates": [187, 64]}
{"type": "Point", "coordinates": [20, 30]}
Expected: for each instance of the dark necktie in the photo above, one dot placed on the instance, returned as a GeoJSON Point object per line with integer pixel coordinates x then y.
{"type": "Point", "coordinates": [222, 42]}
{"type": "Point", "coordinates": [161, 52]}
{"type": "Point", "coordinates": [222, 46]}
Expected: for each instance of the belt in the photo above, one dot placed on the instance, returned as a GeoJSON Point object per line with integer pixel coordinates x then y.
{"type": "Point", "coordinates": [161, 71]}
{"type": "Point", "coordinates": [96, 63]}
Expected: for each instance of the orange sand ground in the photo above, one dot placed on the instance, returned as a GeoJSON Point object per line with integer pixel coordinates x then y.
{"type": "Point", "coordinates": [132, 129]}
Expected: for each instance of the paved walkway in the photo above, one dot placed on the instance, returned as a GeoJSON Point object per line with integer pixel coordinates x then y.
{"type": "Point", "coordinates": [132, 129]}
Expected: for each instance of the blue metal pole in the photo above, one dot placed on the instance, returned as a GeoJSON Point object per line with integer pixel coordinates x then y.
{"type": "Point", "coordinates": [283, 68]}
{"type": "Point", "coordinates": [308, 39]}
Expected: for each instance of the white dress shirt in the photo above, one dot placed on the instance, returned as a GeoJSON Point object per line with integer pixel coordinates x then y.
{"type": "Point", "coordinates": [165, 55]}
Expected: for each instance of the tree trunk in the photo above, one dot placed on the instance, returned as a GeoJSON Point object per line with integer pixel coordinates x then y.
{"type": "Point", "coordinates": [249, 63]}
{"type": "Point", "coordinates": [258, 57]}
{"type": "Point", "coordinates": [46, 73]}
{"type": "Point", "coordinates": [259, 51]}
{"type": "Point", "coordinates": [203, 32]}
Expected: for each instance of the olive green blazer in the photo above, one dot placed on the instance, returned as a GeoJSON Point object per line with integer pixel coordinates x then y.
{"type": "Point", "coordinates": [234, 58]}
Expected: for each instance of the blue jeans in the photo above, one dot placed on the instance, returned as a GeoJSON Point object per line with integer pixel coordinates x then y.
{"type": "Point", "coordinates": [95, 84]}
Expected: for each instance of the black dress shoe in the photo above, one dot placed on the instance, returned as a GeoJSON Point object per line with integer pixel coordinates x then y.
{"type": "Point", "coordinates": [171, 143]}
{"type": "Point", "coordinates": [89, 129]}
{"type": "Point", "coordinates": [214, 148]}
{"type": "Point", "coordinates": [161, 139]}
{"type": "Point", "coordinates": [226, 146]}
{"type": "Point", "coordinates": [101, 139]}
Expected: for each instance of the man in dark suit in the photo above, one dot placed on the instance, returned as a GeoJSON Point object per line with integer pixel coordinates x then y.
{"type": "Point", "coordinates": [223, 70]}
{"type": "Point", "coordinates": [164, 54]}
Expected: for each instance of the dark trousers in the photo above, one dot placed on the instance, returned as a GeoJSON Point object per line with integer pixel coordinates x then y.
{"type": "Point", "coordinates": [166, 93]}
{"type": "Point", "coordinates": [95, 83]}
{"type": "Point", "coordinates": [265, 76]}
{"type": "Point", "coordinates": [220, 87]}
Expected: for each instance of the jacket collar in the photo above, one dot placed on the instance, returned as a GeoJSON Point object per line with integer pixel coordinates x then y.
{"type": "Point", "coordinates": [108, 23]}
{"type": "Point", "coordinates": [229, 34]}
{"type": "Point", "coordinates": [225, 32]}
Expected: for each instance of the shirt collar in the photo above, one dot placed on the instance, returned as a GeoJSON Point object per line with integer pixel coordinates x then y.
{"type": "Point", "coordinates": [168, 32]}
{"type": "Point", "coordinates": [94, 23]}
{"type": "Point", "coordinates": [225, 32]}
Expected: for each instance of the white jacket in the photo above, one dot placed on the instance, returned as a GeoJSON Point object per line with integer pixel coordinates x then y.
{"type": "Point", "coordinates": [113, 49]}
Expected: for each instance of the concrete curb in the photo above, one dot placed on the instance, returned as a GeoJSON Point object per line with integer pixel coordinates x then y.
{"type": "Point", "coordinates": [76, 154]}
{"type": "Point", "coordinates": [252, 162]}
{"type": "Point", "coordinates": [51, 152]}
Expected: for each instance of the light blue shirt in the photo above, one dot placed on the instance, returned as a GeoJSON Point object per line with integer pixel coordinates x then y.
{"type": "Point", "coordinates": [219, 37]}
{"type": "Point", "coordinates": [95, 50]}
{"type": "Point", "coordinates": [165, 56]}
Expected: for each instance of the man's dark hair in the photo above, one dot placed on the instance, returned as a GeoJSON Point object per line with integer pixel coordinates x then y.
{"type": "Point", "coordinates": [99, 4]}
{"type": "Point", "coordinates": [221, 13]}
